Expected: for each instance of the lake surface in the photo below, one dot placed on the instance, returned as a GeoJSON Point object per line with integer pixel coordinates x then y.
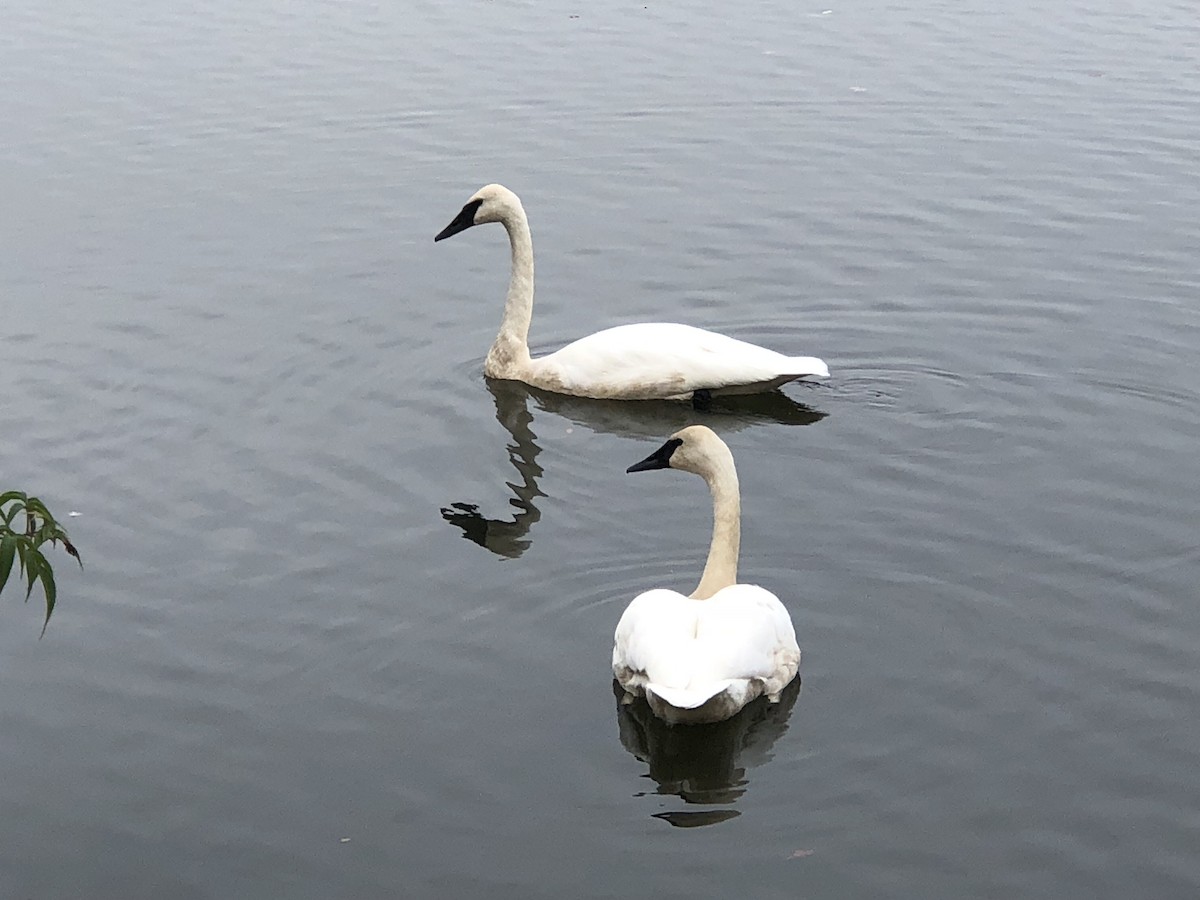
{"type": "Point", "coordinates": [345, 622]}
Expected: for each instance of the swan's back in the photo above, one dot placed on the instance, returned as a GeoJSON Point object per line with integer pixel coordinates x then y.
{"type": "Point", "coordinates": [666, 359]}
{"type": "Point", "coordinates": [695, 649]}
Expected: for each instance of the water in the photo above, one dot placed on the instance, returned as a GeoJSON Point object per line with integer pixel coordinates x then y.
{"type": "Point", "coordinates": [344, 625]}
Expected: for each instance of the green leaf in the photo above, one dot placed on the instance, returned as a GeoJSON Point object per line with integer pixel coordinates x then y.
{"type": "Point", "coordinates": [51, 591]}
{"type": "Point", "coordinates": [8, 546]}
{"type": "Point", "coordinates": [11, 512]}
{"type": "Point", "coordinates": [33, 566]}
{"type": "Point", "coordinates": [11, 495]}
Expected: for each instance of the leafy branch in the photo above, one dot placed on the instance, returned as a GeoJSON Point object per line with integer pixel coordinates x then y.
{"type": "Point", "coordinates": [24, 545]}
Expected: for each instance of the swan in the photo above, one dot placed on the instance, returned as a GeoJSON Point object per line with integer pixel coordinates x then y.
{"type": "Point", "coordinates": [703, 657]}
{"type": "Point", "coordinates": [645, 361]}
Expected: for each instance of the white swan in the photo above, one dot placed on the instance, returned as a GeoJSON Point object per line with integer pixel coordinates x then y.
{"type": "Point", "coordinates": [702, 658]}
{"type": "Point", "coordinates": [652, 360]}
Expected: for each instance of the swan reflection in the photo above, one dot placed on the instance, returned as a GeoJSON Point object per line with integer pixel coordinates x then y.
{"type": "Point", "coordinates": [704, 765]}
{"type": "Point", "coordinates": [639, 419]}
{"type": "Point", "coordinates": [654, 418]}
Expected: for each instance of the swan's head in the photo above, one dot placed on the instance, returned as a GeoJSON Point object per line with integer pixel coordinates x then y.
{"type": "Point", "coordinates": [491, 203]}
{"type": "Point", "coordinates": [694, 449]}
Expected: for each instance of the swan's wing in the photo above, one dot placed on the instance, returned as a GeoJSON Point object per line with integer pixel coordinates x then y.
{"type": "Point", "coordinates": [745, 632]}
{"type": "Point", "coordinates": [654, 634]}
{"type": "Point", "coordinates": [659, 359]}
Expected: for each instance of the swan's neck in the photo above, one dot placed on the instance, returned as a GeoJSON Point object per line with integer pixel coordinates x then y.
{"type": "Point", "coordinates": [509, 356]}
{"type": "Point", "coordinates": [721, 569]}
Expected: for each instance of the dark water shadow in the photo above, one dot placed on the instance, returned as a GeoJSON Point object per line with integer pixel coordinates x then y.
{"type": "Point", "coordinates": [657, 419]}
{"type": "Point", "coordinates": [653, 419]}
{"type": "Point", "coordinates": [704, 765]}
{"type": "Point", "coordinates": [507, 538]}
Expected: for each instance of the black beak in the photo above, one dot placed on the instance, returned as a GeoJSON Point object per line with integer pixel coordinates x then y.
{"type": "Point", "coordinates": [464, 220]}
{"type": "Point", "coordinates": [659, 459]}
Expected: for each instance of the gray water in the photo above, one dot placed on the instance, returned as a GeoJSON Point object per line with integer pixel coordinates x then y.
{"type": "Point", "coordinates": [344, 625]}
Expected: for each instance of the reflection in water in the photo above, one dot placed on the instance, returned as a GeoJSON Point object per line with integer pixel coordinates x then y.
{"type": "Point", "coordinates": [627, 418]}
{"type": "Point", "coordinates": [703, 764]}
{"type": "Point", "coordinates": [503, 538]}
{"type": "Point", "coordinates": [659, 418]}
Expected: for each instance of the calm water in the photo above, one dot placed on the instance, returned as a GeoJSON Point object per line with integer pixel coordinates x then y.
{"type": "Point", "coordinates": [345, 622]}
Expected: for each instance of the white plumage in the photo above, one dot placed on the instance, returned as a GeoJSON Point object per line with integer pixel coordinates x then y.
{"type": "Point", "coordinates": [651, 360]}
{"type": "Point", "coordinates": [704, 657]}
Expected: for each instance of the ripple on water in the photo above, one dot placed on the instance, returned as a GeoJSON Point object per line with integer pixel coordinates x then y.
{"type": "Point", "coordinates": [232, 345]}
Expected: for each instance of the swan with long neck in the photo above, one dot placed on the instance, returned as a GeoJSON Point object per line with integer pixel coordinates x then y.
{"type": "Point", "coordinates": [703, 657]}
{"type": "Point", "coordinates": [644, 361]}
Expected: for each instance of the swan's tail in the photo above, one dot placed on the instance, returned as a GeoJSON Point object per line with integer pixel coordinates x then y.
{"type": "Point", "coordinates": [802, 366]}
{"type": "Point", "coordinates": [688, 698]}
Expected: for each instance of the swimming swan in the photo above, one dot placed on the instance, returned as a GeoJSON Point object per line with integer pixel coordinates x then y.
{"type": "Point", "coordinates": [646, 361]}
{"type": "Point", "coordinates": [702, 658]}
